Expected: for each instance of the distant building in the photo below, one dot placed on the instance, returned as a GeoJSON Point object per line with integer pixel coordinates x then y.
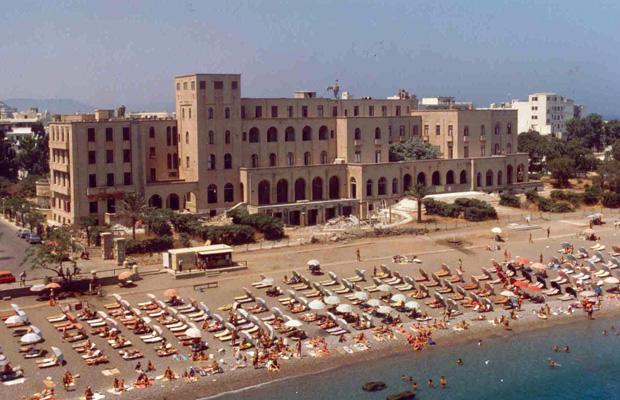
{"type": "Point", "coordinates": [545, 113]}
{"type": "Point", "coordinates": [444, 103]}
{"type": "Point", "coordinates": [6, 111]}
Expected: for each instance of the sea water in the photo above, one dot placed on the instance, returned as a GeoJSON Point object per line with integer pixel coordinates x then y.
{"type": "Point", "coordinates": [502, 368]}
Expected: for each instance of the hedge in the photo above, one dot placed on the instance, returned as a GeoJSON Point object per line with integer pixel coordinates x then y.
{"type": "Point", "coordinates": [270, 226]}
{"type": "Point", "coordinates": [611, 199]}
{"type": "Point", "coordinates": [562, 206]}
{"type": "Point", "coordinates": [479, 214]}
{"type": "Point", "coordinates": [473, 209]}
{"type": "Point", "coordinates": [434, 207]}
{"type": "Point", "coordinates": [592, 194]}
{"type": "Point", "coordinates": [228, 234]}
{"type": "Point", "coordinates": [573, 197]}
{"type": "Point", "coordinates": [153, 245]}
{"type": "Point", "coordinates": [509, 200]}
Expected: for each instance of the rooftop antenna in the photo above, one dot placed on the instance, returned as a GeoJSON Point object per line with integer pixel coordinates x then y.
{"type": "Point", "coordinates": [335, 89]}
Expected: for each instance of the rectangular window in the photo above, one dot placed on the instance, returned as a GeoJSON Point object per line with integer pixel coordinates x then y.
{"type": "Point", "coordinates": [92, 180]}
{"type": "Point", "coordinates": [242, 112]}
{"type": "Point", "coordinates": [274, 111]}
{"type": "Point", "coordinates": [449, 130]}
{"type": "Point", "coordinates": [111, 205]}
{"type": "Point", "coordinates": [437, 130]}
{"type": "Point", "coordinates": [184, 85]}
{"type": "Point", "coordinates": [109, 134]}
{"type": "Point", "coordinates": [378, 156]}
{"type": "Point", "coordinates": [304, 111]}
{"type": "Point", "coordinates": [398, 111]}
{"type": "Point", "coordinates": [109, 156]}
{"type": "Point", "coordinates": [126, 155]}
{"type": "Point", "coordinates": [466, 152]}
{"type": "Point", "coordinates": [371, 111]}
{"type": "Point", "coordinates": [193, 84]}
{"type": "Point", "coordinates": [92, 207]}
{"type": "Point", "coordinates": [126, 133]}
{"type": "Point", "coordinates": [415, 130]}
{"type": "Point", "coordinates": [290, 111]}
{"type": "Point", "coordinates": [384, 111]}
{"type": "Point", "coordinates": [425, 130]}
{"type": "Point", "coordinates": [234, 85]}
{"type": "Point", "coordinates": [92, 157]}
{"type": "Point", "coordinates": [127, 178]}
{"type": "Point", "coordinates": [258, 111]}
{"type": "Point", "coordinates": [218, 85]}
{"type": "Point", "coordinates": [450, 152]}
{"type": "Point", "coordinates": [110, 179]}
{"type": "Point", "coordinates": [178, 86]}
{"type": "Point", "coordinates": [334, 111]}
{"type": "Point", "coordinates": [319, 111]}
{"type": "Point", "coordinates": [152, 153]}
{"type": "Point", "coordinates": [482, 150]}
{"type": "Point", "coordinates": [153, 174]}
{"type": "Point", "coordinates": [358, 157]}
{"type": "Point", "coordinates": [91, 134]}
{"type": "Point", "coordinates": [356, 111]}
{"type": "Point", "coordinates": [202, 85]}
{"type": "Point", "coordinates": [401, 131]}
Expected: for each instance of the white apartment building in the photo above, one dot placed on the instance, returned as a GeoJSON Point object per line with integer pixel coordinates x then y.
{"type": "Point", "coordinates": [546, 113]}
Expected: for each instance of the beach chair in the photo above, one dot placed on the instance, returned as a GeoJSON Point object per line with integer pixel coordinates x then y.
{"type": "Point", "coordinates": [434, 282]}
{"type": "Point", "coordinates": [473, 285]}
{"type": "Point", "coordinates": [423, 277]}
{"type": "Point", "coordinates": [455, 278]}
{"type": "Point", "coordinates": [484, 276]}
{"type": "Point", "coordinates": [48, 362]}
{"type": "Point", "coordinates": [604, 272]}
{"type": "Point", "coordinates": [346, 287]}
{"type": "Point", "coordinates": [443, 271]}
{"type": "Point", "coordinates": [447, 288]}
{"type": "Point", "coordinates": [384, 272]}
{"type": "Point", "coordinates": [358, 277]}
{"type": "Point", "coordinates": [57, 318]}
{"type": "Point", "coordinates": [407, 285]}
{"type": "Point", "coordinates": [331, 281]}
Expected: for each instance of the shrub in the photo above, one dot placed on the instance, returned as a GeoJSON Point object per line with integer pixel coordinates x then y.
{"type": "Point", "coordinates": [157, 221]}
{"type": "Point", "coordinates": [184, 223]}
{"type": "Point", "coordinates": [184, 240]}
{"type": "Point", "coordinates": [228, 234]}
{"type": "Point", "coordinates": [153, 245]}
{"type": "Point", "coordinates": [434, 207]}
{"type": "Point", "coordinates": [479, 213]}
{"type": "Point", "coordinates": [573, 197]}
{"type": "Point", "coordinates": [534, 176]}
{"type": "Point", "coordinates": [611, 199]}
{"type": "Point", "coordinates": [509, 200]}
{"type": "Point", "coordinates": [592, 194]}
{"type": "Point", "coordinates": [270, 226]}
{"type": "Point", "coordinates": [532, 195]}
{"type": "Point", "coordinates": [562, 206]}
{"type": "Point", "coordinates": [544, 204]}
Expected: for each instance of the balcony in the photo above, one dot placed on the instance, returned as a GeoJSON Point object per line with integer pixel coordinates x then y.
{"type": "Point", "coordinates": [378, 142]}
{"type": "Point", "coordinates": [109, 190]}
{"type": "Point", "coordinates": [357, 142]}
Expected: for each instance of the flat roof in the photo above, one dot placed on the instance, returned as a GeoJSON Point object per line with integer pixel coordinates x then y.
{"type": "Point", "coordinates": [212, 249]}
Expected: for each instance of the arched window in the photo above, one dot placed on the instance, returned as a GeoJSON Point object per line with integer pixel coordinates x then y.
{"type": "Point", "coordinates": [227, 137]}
{"type": "Point", "coordinates": [466, 131]}
{"type": "Point", "coordinates": [382, 186]}
{"type": "Point", "coordinates": [289, 134]}
{"type": "Point", "coordinates": [227, 113]}
{"type": "Point", "coordinates": [210, 113]}
{"type": "Point", "coordinates": [489, 178]}
{"type": "Point", "coordinates": [483, 130]}
{"type": "Point", "coordinates": [394, 186]}
{"type": "Point", "coordinates": [497, 149]}
{"type": "Point", "coordinates": [436, 178]}
{"type": "Point", "coordinates": [498, 129]}
{"type": "Point", "coordinates": [317, 188]}
{"type": "Point", "coordinates": [306, 133]}
{"type": "Point", "coordinates": [211, 194]}
{"type": "Point", "coordinates": [254, 160]}
{"type": "Point", "coordinates": [508, 148]}
{"type": "Point", "coordinates": [254, 135]}
{"type": "Point", "coordinates": [168, 138]}
{"type": "Point", "coordinates": [323, 133]}
{"type": "Point", "coordinates": [211, 137]}
{"type": "Point", "coordinates": [272, 134]}
{"type": "Point", "coordinates": [173, 201]}
{"type": "Point", "coordinates": [186, 137]}
{"type": "Point", "coordinates": [229, 193]}
{"type": "Point", "coordinates": [406, 182]}
{"type": "Point", "coordinates": [155, 201]}
{"type": "Point", "coordinates": [377, 133]}
{"type": "Point", "coordinates": [187, 162]}
{"type": "Point", "coordinates": [272, 160]}
{"type": "Point", "coordinates": [369, 187]}
{"type": "Point", "coordinates": [264, 192]}
{"type": "Point", "coordinates": [463, 177]}
{"type": "Point", "coordinates": [227, 161]}
{"type": "Point", "coordinates": [508, 128]}
{"type": "Point", "coordinates": [300, 189]}
{"type": "Point", "coordinates": [479, 179]}
{"type": "Point", "coordinates": [307, 158]}
{"type": "Point", "coordinates": [422, 179]}
{"type": "Point", "coordinates": [211, 161]}
{"type": "Point", "coordinates": [450, 177]}
{"type": "Point", "coordinates": [323, 157]}
{"type": "Point", "coordinates": [282, 191]}
{"type": "Point", "coordinates": [353, 188]}
{"type": "Point", "coordinates": [509, 173]}
{"type": "Point", "coordinates": [499, 178]}
{"type": "Point", "coordinates": [358, 134]}
{"type": "Point", "coordinates": [290, 159]}
{"type": "Point", "coordinates": [334, 188]}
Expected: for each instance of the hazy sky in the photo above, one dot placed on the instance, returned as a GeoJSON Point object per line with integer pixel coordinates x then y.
{"type": "Point", "coordinates": [111, 52]}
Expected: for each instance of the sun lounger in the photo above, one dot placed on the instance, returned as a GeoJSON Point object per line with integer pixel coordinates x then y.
{"type": "Point", "coordinates": [423, 277]}
{"type": "Point", "coordinates": [57, 318]}
{"type": "Point", "coordinates": [443, 271]}
{"type": "Point", "coordinates": [358, 277]}
{"type": "Point", "coordinates": [47, 362]}
{"type": "Point", "coordinates": [95, 354]}
{"type": "Point", "coordinates": [154, 339]}
{"type": "Point", "coordinates": [112, 306]}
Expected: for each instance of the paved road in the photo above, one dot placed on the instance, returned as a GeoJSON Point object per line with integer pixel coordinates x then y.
{"type": "Point", "coordinates": [12, 249]}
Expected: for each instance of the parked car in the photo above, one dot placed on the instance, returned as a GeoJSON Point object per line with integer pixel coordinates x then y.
{"type": "Point", "coordinates": [34, 239]}
{"type": "Point", "coordinates": [6, 277]}
{"type": "Point", "coordinates": [23, 233]}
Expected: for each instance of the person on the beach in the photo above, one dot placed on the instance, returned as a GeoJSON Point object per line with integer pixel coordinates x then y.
{"type": "Point", "coordinates": [556, 348]}
{"type": "Point", "coordinates": [414, 387]}
{"type": "Point", "coordinates": [358, 254]}
{"type": "Point", "coordinates": [548, 232]}
{"type": "Point", "coordinates": [88, 393]}
{"type": "Point", "coordinates": [479, 342]}
{"type": "Point", "coordinates": [443, 382]}
{"type": "Point", "coordinates": [150, 367]}
{"type": "Point", "coordinates": [604, 332]}
{"type": "Point", "coordinates": [530, 240]}
{"type": "Point", "coordinates": [431, 384]}
{"type": "Point", "coordinates": [540, 258]}
{"type": "Point", "coordinates": [552, 363]}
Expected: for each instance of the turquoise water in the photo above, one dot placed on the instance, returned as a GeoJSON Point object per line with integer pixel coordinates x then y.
{"type": "Point", "coordinates": [506, 368]}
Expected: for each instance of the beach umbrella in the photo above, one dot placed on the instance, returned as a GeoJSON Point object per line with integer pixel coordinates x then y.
{"type": "Point", "coordinates": [331, 300]}
{"type": "Point", "coordinates": [538, 266]}
{"type": "Point", "coordinates": [123, 276]}
{"type": "Point", "coordinates": [193, 333]}
{"type": "Point", "coordinates": [412, 305]}
{"type": "Point", "coordinates": [314, 263]}
{"type": "Point", "coordinates": [600, 283]}
{"type": "Point", "coordinates": [507, 293]}
{"type": "Point", "coordinates": [316, 305]}
{"type": "Point", "coordinates": [15, 319]}
{"type": "Point", "coordinates": [384, 288]}
{"type": "Point", "coordinates": [384, 310]}
{"type": "Point", "coordinates": [57, 352]}
{"type": "Point", "coordinates": [497, 230]}
{"type": "Point", "coordinates": [39, 287]}
{"type": "Point", "coordinates": [587, 293]}
{"type": "Point", "coordinates": [30, 338]}
{"type": "Point", "coordinates": [344, 308]}
{"type": "Point", "coordinates": [522, 261]}
{"type": "Point", "coordinates": [374, 302]}
{"type": "Point", "coordinates": [360, 296]}
{"type": "Point", "coordinates": [52, 285]}
{"type": "Point", "coordinates": [399, 298]}
{"type": "Point", "coordinates": [170, 292]}
{"type": "Point", "coordinates": [293, 323]}
{"type": "Point", "coordinates": [612, 280]}
{"type": "Point", "coordinates": [588, 231]}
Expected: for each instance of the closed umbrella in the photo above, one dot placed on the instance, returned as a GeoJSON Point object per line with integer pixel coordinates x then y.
{"type": "Point", "coordinates": [316, 305]}
{"type": "Point", "coordinates": [123, 276]}
{"type": "Point", "coordinates": [399, 298]}
{"type": "Point", "coordinates": [39, 287]}
{"type": "Point", "coordinates": [331, 300]}
{"type": "Point", "coordinates": [344, 308]}
{"type": "Point", "coordinates": [412, 305]}
{"type": "Point", "coordinates": [374, 302]}
{"type": "Point", "coordinates": [384, 310]}
{"type": "Point", "coordinates": [293, 323]}
{"type": "Point", "coordinates": [361, 296]}
{"type": "Point", "coordinates": [30, 338]}
{"type": "Point", "coordinates": [384, 288]}
{"type": "Point", "coordinates": [193, 333]}
{"type": "Point", "coordinates": [170, 292]}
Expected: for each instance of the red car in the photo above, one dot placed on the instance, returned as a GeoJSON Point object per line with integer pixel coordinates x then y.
{"type": "Point", "coordinates": [6, 277]}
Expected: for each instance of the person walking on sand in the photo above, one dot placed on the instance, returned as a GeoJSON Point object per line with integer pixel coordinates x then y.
{"type": "Point", "coordinates": [530, 240]}
{"type": "Point", "coordinates": [548, 232]}
{"type": "Point", "coordinates": [358, 254]}
{"type": "Point", "coordinates": [22, 278]}
{"type": "Point", "coordinates": [541, 258]}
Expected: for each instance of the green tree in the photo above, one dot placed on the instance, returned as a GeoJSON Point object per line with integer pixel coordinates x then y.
{"type": "Point", "coordinates": [536, 146]}
{"type": "Point", "coordinates": [589, 129]}
{"type": "Point", "coordinates": [133, 207]}
{"type": "Point", "coordinates": [561, 169]}
{"type": "Point", "coordinates": [615, 150]}
{"type": "Point", "coordinates": [33, 154]}
{"type": "Point", "coordinates": [87, 223]}
{"type": "Point", "coordinates": [53, 253]}
{"type": "Point", "coordinates": [157, 220]}
{"type": "Point", "coordinates": [413, 150]}
{"type": "Point", "coordinates": [35, 220]}
{"type": "Point", "coordinates": [8, 165]}
{"type": "Point", "coordinates": [418, 192]}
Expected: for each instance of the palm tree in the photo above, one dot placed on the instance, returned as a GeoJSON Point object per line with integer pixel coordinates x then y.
{"type": "Point", "coordinates": [133, 207]}
{"type": "Point", "coordinates": [418, 192]}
